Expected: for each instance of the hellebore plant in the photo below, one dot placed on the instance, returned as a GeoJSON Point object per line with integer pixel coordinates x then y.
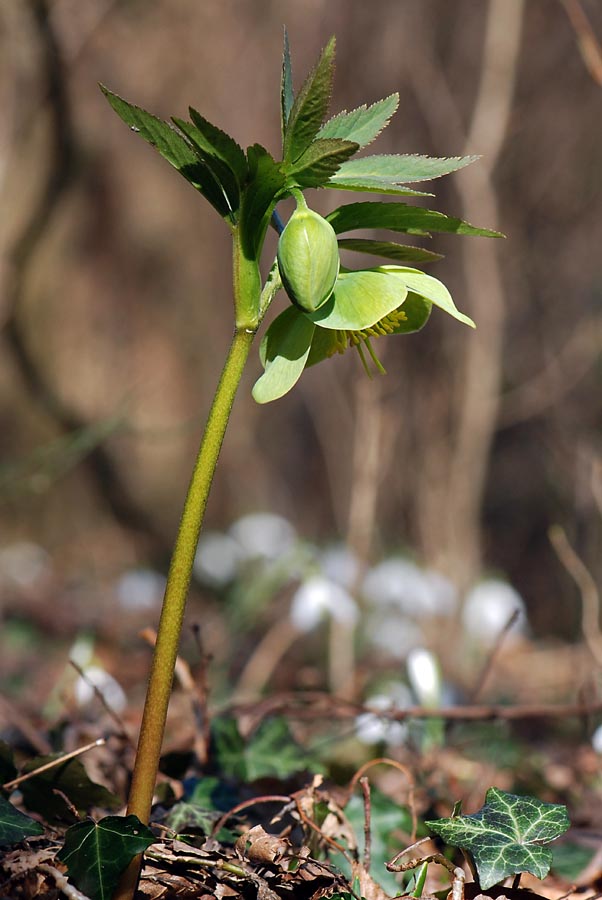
{"type": "Point", "coordinates": [330, 308]}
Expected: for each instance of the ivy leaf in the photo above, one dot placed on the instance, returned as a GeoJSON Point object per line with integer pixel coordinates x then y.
{"type": "Point", "coordinates": [70, 779]}
{"type": "Point", "coordinates": [506, 834]}
{"type": "Point", "coordinates": [15, 826]}
{"type": "Point", "coordinates": [287, 97]}
{"type": "Point", "coordinates": [271, 751]}
{"type": "Point", "coordinates": [174, 148]}
{"type": "Point", "coordinates": [320, 161]}
{"type": "Point", "coordinates": [401, 217]}
{"type": "Point", "coordinates": [96, 854]}
{"type": "Point", "coordinates": [430, 288]}
{"type": "Point", "coordinates": [359, 300]}
{"type": "Point", "coordinates": [310, 106]}
{"type": "Point", "coordinates": [363, 124]}
{"type": "Point", "coordinates": [389, 250]}
{"type": "Point", "coordinates": [259, 198]}
{"type": "Point", "coordinates": [283, 351]}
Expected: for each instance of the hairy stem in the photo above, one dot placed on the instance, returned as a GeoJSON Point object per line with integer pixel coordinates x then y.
{"type": "Point", "coordinates": [178, 581]}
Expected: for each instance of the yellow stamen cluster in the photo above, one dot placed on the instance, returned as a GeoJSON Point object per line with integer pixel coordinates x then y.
{"type": "Point", "coordinates": [386, 325]}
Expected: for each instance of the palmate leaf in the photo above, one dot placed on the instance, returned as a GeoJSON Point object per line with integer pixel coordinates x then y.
{"type": "Point", "coordinates": [401, 217]}
{"type": "Point", "coordinates": [221, 171]}
{"type": "Point", "coordinates": [389, 250]}
{"type": "Point", "coordinates": [15, 826]}
{"type": "Point", "coordinates": [321, 160]}
{"type": "Point", "coordinates": [403, 168]}
{"type": "Point", "coordinates": [96, 854]}
{"type": "Point", "coordinates": [287, 97]}
{"type": "Point", "coordinates": [174, 148]}
{"type": "Point", "coordinates": [363, 124]}
{"type": "Point", "coordinates": [310, 106]}
{"type": "Point", "coordinates": [505, 835]}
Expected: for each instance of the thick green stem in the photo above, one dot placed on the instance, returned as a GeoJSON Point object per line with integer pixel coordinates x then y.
{"type": "Point", "coordinates": [178, 581]}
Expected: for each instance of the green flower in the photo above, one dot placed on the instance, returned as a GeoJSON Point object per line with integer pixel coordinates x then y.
{"type": "Point", "coordinates": [364, 305]}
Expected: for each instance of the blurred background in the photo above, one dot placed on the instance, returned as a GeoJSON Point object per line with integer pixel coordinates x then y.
{"type": "Point", "coordinates": [390, 503]}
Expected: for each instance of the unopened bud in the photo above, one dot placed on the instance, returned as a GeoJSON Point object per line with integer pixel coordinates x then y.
{"type": "Point", "coordinates": [308, 258]}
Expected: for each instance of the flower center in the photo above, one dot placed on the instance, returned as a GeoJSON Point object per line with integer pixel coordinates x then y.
{"type": "Point", "coordinates": [386, 325]}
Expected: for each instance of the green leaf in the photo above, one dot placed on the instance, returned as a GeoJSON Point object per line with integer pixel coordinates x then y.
{"type": "Point", "coordinates": [310, 106]}
{"type": "Point", "coordinates": [400, 217]}
{"type": "Point", "coordinates": [270, 752]}
{"type": "Point", "coordinates": [505, 835]}
{"type": "Point", "coordinates": [283, 352]}
{"type": "Point", "coordinates": [359, 300]}
{"type": "Point", "coordinates": [259, 198]}
{"type": "Point", "coordinates": [319, 162]}
{"type": "Point", "coordinates": [14, 825]}
{"type": "Point", "coordinates": [431, 288]}
{"type": "Point", "coordinates": [570, 859]}
{"type": "Point", "coordinates": [173, 147]}
{"type": "Point", "coordinates": [8, 770]}
{"type": "Point", "coordinates": [217, 143]}
{"type": "Point", "coordinates": [363, 124]}
{"type": "Point", "coordinates": [287, 97]}
{"type": "Point", "coordinates": [72, 780]}
{"type": "Point", "coordinates": [389, 250]}
{"type": "Point", "coordinates": [96, 854]}
{"type": "Point", "coordinates": [221, 171]}
{"type": "Point", "coordinates": [401, 168]}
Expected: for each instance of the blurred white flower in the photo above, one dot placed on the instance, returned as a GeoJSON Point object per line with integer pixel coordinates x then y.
{"type": "Point", "coordinates": [597, 739]}
{"type": "Point", "coordinates": [217, 558]}
{"type": "Point", "coordinates": [340, 564]}
{"type": "Point", "coordinates": [394, 634]}
{"type": "Point", "coordinates": [318, 598]}
{"type": "Point", "coordinates": [488, 608]}
{"type": "Point", "coordinates": [110, 689]}
{"type": "Point", "coordinates": [400, 583]}
{"type": "Point", "coordinates": [263, 535]}
{"type": "Point", "coordinates": [424, 675]}
{"type": "Point", "coordinates": [372, 729]}
{"type": "Point", "coordinates": [140, 589]}
{"type": "Point", "coordinates": [24, 565]}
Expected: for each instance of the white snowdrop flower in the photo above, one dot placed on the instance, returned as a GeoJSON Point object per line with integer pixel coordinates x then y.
{"type": "Point", "coordinates": [488, 608]}
{"type": "Point", "coordinates": [597, 739]}
{"type": "Point", "coordinates": [317, 598]}
{"type": "Point", "coordinates": [24, 564]}
{"type": "Point", "coordinates": [140, 589]}
{"type": "Point", "coordinates": [395, 635]}
{"type": "Point", "coordinates": [399, 582]}
{"type": "Point", "coordinates": [217, 558]}
{"type": "Point", "coordinates": [110, 689]}
{"type": "Point", "coordinates": [370, 728]}
{"type": "Point", "coordinates": [340, 564]}
{"type": "Point", "coordinates": [263, 535]}
{"type": "Point", "coordinates": [443, 594]}
{"type": "Point", "coordinates": [424, 675]}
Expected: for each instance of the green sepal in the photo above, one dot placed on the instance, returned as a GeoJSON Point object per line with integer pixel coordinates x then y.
{"type": "Point", "coordinates": [283, 352]}
{"type": "Point", "coordinates": [401, 217]}
{"type": "Point", "coordinates": [259, 198]}
{"type": "Point", "coordinates": [359, 300]}
{"type": "Point", "coordinates": [287, 97]}
{"type": "Point", "coordinates": [363, 124]}
{"type": "Point", "coordinates": [430, 288]}
{"type": "Point", "coordinates": [389, 250]}
{"type": "Point", "coordinates": [321, 160]}
{"type": "Point", "coordinates": [417, 310]}
{"type": "Point", "coordinates": [174, 148]}
{"type": "Point", "coordinates": [310, 106]}
{"type": "Point", "coordinates": [221, 171]}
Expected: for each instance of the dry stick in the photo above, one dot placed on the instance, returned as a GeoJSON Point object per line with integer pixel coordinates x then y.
{"type": "Point", "coordinates": [330, 841]}
{"type": "Point", "coordinates": [123, 731]}
{"type": "Point", "coordinates": [488, 665]}
{"type": "Point", "coordinates": [62, 883]}
{"type": "Point", "coordinates": [200, 700]}
{"type": "Point", "coordinates": [9, 785]}
{"type": "Point", "coordinates": [365, 785]}
{"type": "Point", "coordinates": [591, 52]}
{"type": "Point", "coordinates": [265, 798]}
{"type": "Point", "coordinates": [597, 483]}
{"type": "Point", "coordinates": [260, 666]}
{"type": "Point", "coordinates": [384, 760]}
{"type": "Point", "coordinates": [590, 598]}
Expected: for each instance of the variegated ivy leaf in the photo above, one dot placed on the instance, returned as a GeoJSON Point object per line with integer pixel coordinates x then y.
{"type": "Point", "coordinates": [505, 836]}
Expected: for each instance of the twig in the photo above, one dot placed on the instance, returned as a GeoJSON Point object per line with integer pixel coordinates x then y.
{"type": "Point", "coordinates": [385, 761]}
{"type": "Point", "coordinates": [123, 731]}
{"type": "Point", "coordinates": [265, 798]}
{"type": "Point", "coordinates": [365, 785]}
{"type": "Point", "coordinates": [200, 699]}
{"type": "Point", "coordinates": [590, 597]}
{"type": "Point", "coordinates": [9, 785]}
{"type": "Point", "coordinates": [487, 667]}
{"type": "Point", "coordinates": [69, 890]}
{"type": "Point", "coordinates": [267, 654]}
{"type": "Point", "coordinates": [591, 52]}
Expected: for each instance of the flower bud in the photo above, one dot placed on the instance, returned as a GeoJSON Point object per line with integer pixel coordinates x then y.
{"type": "Point", "coordinates": [308, 258]}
